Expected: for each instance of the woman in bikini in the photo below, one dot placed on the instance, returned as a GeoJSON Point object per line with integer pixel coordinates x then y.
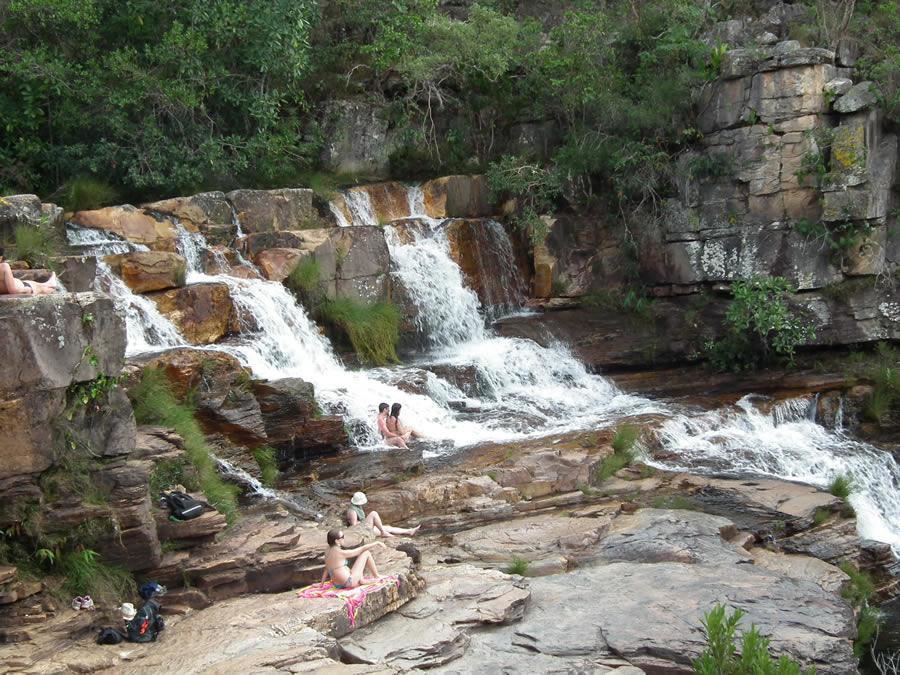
{"type": "Point", "coordinates": [337, 563]}
{"type": "Point", "coordinates": [356, 514]}
{"type": "Point", "coordinates": [394, 426]}
{"type": "Point", "coordinates": [390, 437]}
{"type": "Point", "coordinates": [9, 285]}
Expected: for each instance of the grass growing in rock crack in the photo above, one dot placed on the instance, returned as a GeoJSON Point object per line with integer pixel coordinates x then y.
{"type": "Point", "coordinates": [820, 516]}
{"type": "Point", "coordinates": [36, 245]}
{"type": "Point", "coordinates": [154, 403]}
{"type": "Point", "coordinates": [85, 574]}
{"type": "Point", "coordinates": [858, 592]}
{"type": "Point", "coordinates": [268, 468]}
{"type": "Point", "coordinates": [304, 278]}
{"type": "Point", "coordinates": [623, 452]}
{"type": "Point", "coordinates": [881, 368]}
{"type": "Point", "coordinates": [373, 330]}
{"type": "Point", "coordinates": [842, 486]}
{"type": "Point", "coordinates": [517, 566]}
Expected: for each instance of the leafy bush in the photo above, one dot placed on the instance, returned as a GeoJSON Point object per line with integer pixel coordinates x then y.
{"type": "Point", "coordinates": [517, 566]}
{"type": "Point", "coordinates": [373, 330]}
{"type": "Point", "coordinates": [85, 574]}
{"type": "Point", "coordinates": [760, 326]}
{"type": "Point", "coordinates": [721, 658]}
{"type": "Point", "coordinates": [154, 403]}
{"type": "Point", "coordinates": [842, 486]}
{"type": "Point", "coordinates": [265, 458]}
{"type": "Point", "coordinates": [534, 188]}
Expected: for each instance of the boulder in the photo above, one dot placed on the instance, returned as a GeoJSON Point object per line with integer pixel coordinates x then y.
{"type": "Point", "coordinates": [203, 313]}
{"type": "Point", "coordinates": [373, 204]}
{"type": "Point", "coordinates": [803, 568]}
{"type": "Point", "coordinates": [270, 210]}
{"type": "Point", "coordinates": [222, 392]}
{"type": "Point", "coordinates": [858, 97]}
{"type": "Point", "coordinates": [208, 212]}
{"type": "Point", "coordinates": [145, 271]}
{"type": "Point", "coordinates": [26, 431]}
{"type": "Point", "coordinates": [292, 420]}
{"type": "Point", "coordinates": [361, 263]}
{"type": "Point", "coordinates": [77, 273]}
{"type": "Point", "coordinates": [19, 210]}
{"type": "Point", "coordinates": [838, 86]}
{"type": "Point", "coordinates": [276, 264]}
{"type": "Point", "coordinates": [457, 197]}
{"type": "Point", "coordinates": [134, 225]}
{"type": "Point", "coordinates": [51, 341]}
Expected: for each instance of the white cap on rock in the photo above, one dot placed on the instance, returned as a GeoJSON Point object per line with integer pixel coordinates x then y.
{"type": "Point", "coordinates": [358, 499]}
{"type": "Point", "coordinates": [128, 611]}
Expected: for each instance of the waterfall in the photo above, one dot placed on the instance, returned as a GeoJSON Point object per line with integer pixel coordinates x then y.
{"type": "Point", "coordinates": [147, 329]}
{"type": "Point", "coordinates": [743, 440]}
{"type": "Point", "coordinates": [191, 247]}
{"type": "Point", "coordinates": [252, 484]}
{"type": "Point", "coordinates": [98, 242]}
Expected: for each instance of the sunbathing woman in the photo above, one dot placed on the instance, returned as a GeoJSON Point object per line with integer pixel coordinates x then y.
{"type": "Point", "coordinates": [11, 286]}
{"type": "Point", "coordinates": [356, 514]}
{"type": "Point", "coordinates": [395, 427]}
{"type": "Point", "coordinates": [337, 563]}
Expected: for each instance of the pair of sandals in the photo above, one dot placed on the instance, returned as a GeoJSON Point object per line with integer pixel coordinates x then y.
{"type": "Point", "coordinates": [82, 602]}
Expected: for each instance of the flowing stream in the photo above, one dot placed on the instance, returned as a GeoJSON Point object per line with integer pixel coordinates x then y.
{"type": "Point", "coordinates": [523, 389]}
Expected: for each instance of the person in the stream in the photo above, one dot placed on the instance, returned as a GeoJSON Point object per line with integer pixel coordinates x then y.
{"type": "Point", "coordinates": [395, 427]}
{"type": "Point", "coordinates": [9, 285]}
{"type": "Point", "coordinates": [390, 437]}
{"type": "Point", "coordinates": [356, 514]}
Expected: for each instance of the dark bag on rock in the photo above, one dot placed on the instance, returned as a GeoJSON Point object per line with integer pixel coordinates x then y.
{"type": "Point", "coordinates": [182, 506]}
{"type": "Point", "coordinates": [145, 625]}
{"type": "Point", "coordinates": [109, 636]}
{"type": "Point", "coordinates": [150, 590]}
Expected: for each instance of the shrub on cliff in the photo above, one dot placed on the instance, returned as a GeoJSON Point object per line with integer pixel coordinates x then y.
{"type": "Point", "coordinates": [154, 403]}
{"type": "Point", "coordinates": [760, 326]}
{"type": "Point", "coordinates": [721, 658]}
{"type": "Point", "coordinates": [373, 330]}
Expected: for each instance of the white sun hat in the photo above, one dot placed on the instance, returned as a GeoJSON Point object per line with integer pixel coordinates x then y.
{"type": "Point", "coordinates": [128, 611]}
{"type": "Point", "coordinates": [359, 499]}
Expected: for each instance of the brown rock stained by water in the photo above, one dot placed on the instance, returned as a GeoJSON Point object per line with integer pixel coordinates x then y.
{"type": "Point", "coordinates": [131, 224]}
{"type": "Point", "coordinates": [457, 197]}
{"type": "Point", "coordinates": [203, 313]}
{"type": "Point", "coordinates": [145, 271]}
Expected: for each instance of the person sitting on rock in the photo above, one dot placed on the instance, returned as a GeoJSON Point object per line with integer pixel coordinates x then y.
{"type": "Point", "coordinates": [356, 514]}
{"type": "Point", "coordinates": [390, 437]}
{"type": "Point", "coordinates": [337, 563]}
{"type": "Point", "coordinates": [394, 426]}
{"type": "Point", "coordinates": [9, 285]}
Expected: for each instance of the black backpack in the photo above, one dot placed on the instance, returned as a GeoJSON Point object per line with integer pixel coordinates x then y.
{"type": "Point", "coordinates": [146, 624]}
{"type": "Point", "coordinates": [182, 506]}
{"type": "Point", "coordinates": [109, 636]}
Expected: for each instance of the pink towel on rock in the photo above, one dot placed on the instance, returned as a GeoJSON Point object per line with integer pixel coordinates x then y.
{"type": "Point", "coordinates": [353, 597]}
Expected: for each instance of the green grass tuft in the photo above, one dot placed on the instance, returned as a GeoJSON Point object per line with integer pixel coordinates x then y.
{"type": "Point", "coordinates": [154, 403]}
{"type": "Point", "coordinates": [167, 473]}
{"type": "Point", "coordinates": [820, 516]}
{"type": "Point", "coordinates": [85, 575]}
{"type": "Point", "coordinates": [842, 486]}
{"type": "Point", "coordinates": [623, 446]}
{"type": "Point", "coordinates": [36, 245]}
{"type": "Point", "coordinates": [860, 588]}
{"type": "Point", "coordinates": [84, 194]}
{"type": "Point", "coordinates": [625, 438]}
{"type": "Point", "coordinates": [305, 277]}
{"type": "Point", "coordinates": [265, 458]}
{"type": "Point", "coordinates": [517, 566]}
{"type": "Point", "coordinates": [373, 330]}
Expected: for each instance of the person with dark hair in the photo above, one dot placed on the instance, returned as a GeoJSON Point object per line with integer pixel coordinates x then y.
{"type": "Point", "coordinates": [394, 426]}
{"type": "Point", "coordinates": [390, 437]}
{"type": "Point", "coordinates": [337, 561]}
{"type": "Point", "coordinates": [356, 514]}
{"type": "Point", "coordinates": [9, 285]}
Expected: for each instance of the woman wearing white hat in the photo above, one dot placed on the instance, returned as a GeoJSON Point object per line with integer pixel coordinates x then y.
{"type": "Point", "coordinates": [356, 514]}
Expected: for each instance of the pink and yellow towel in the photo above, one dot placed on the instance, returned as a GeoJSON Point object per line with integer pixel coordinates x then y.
{"type": "Point", "coordinates": [353, 597]}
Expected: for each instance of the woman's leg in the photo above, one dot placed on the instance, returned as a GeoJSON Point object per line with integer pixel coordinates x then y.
{"type": "Point", "coordinates": [397, 442]}
{"type": "Point", "coordinates": [403, 531]}
{"type": "Point", "coordinates": [364, 563]}
{"type": "Point", "coordinates": [373, 520]}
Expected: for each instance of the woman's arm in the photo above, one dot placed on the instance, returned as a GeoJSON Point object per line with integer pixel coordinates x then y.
{"type": "Point", "coordinates": [353, 552]}
{"type": "Point", "coordinates": [352, 517]}
{"type": "Point", "coordinates": [383, 428]}
{"type": "Point", "coordinates": [324, 573]}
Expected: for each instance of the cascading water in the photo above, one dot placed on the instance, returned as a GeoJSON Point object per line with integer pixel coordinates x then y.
{"type": "Point", "coordinates": [786, 444]}
{"type": "Point", "coordinates": [529, 389]}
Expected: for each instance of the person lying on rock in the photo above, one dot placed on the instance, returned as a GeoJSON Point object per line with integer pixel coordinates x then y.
{"type": "Point", "coordinates": [394, 426]}
{"type": "Point", "coordinates": [337, 563]}
{"type": "Point", "coordinates": [356, 514]}
{"type": "Point", "coordinates": [390, 437]}
{"type": "Point", "coordinates": [9, 285]}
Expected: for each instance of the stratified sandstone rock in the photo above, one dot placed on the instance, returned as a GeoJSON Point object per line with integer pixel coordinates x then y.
{"type": "Point", "coordinates": [203, 313]}
{"type": "Point", "coordinates": [276, 264]}
{"type": "Point", "coordinates": [77, 273]}
{"type": "Point", "coordinates": [802, 567]}
{"type": "Point", "coordinates": [145, 271]}
{"type": "Point", "coordinates": [857, 97]}
{"type": "Point", "coordinates": [208, 212]}
{"type": "Point", "coordinates": [26, 431]}
{"type": "Point", "coordinates": [131, 224]}
{"type": "Point", "coordinates": [457, 197]}
{"type": "Point", "coordinates": [222, 392]}
{"type": "Point", "coordinates": [268, 210]}
{"type": "Point", "coordinates": [48, 340]}
{"type": "Point", "coordinates": [432, 629]}
{"type": "Point", "coordinates": [386, 201]}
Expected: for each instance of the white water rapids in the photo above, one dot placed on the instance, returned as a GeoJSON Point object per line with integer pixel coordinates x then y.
{"type": "Point", "coordinates": [525, 389]}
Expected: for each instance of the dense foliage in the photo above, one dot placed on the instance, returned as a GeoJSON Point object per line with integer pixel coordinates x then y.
{"type": "Point", "coordinates": [760, 326]}
{"type": "Point", "coordinates": [157, 98]}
